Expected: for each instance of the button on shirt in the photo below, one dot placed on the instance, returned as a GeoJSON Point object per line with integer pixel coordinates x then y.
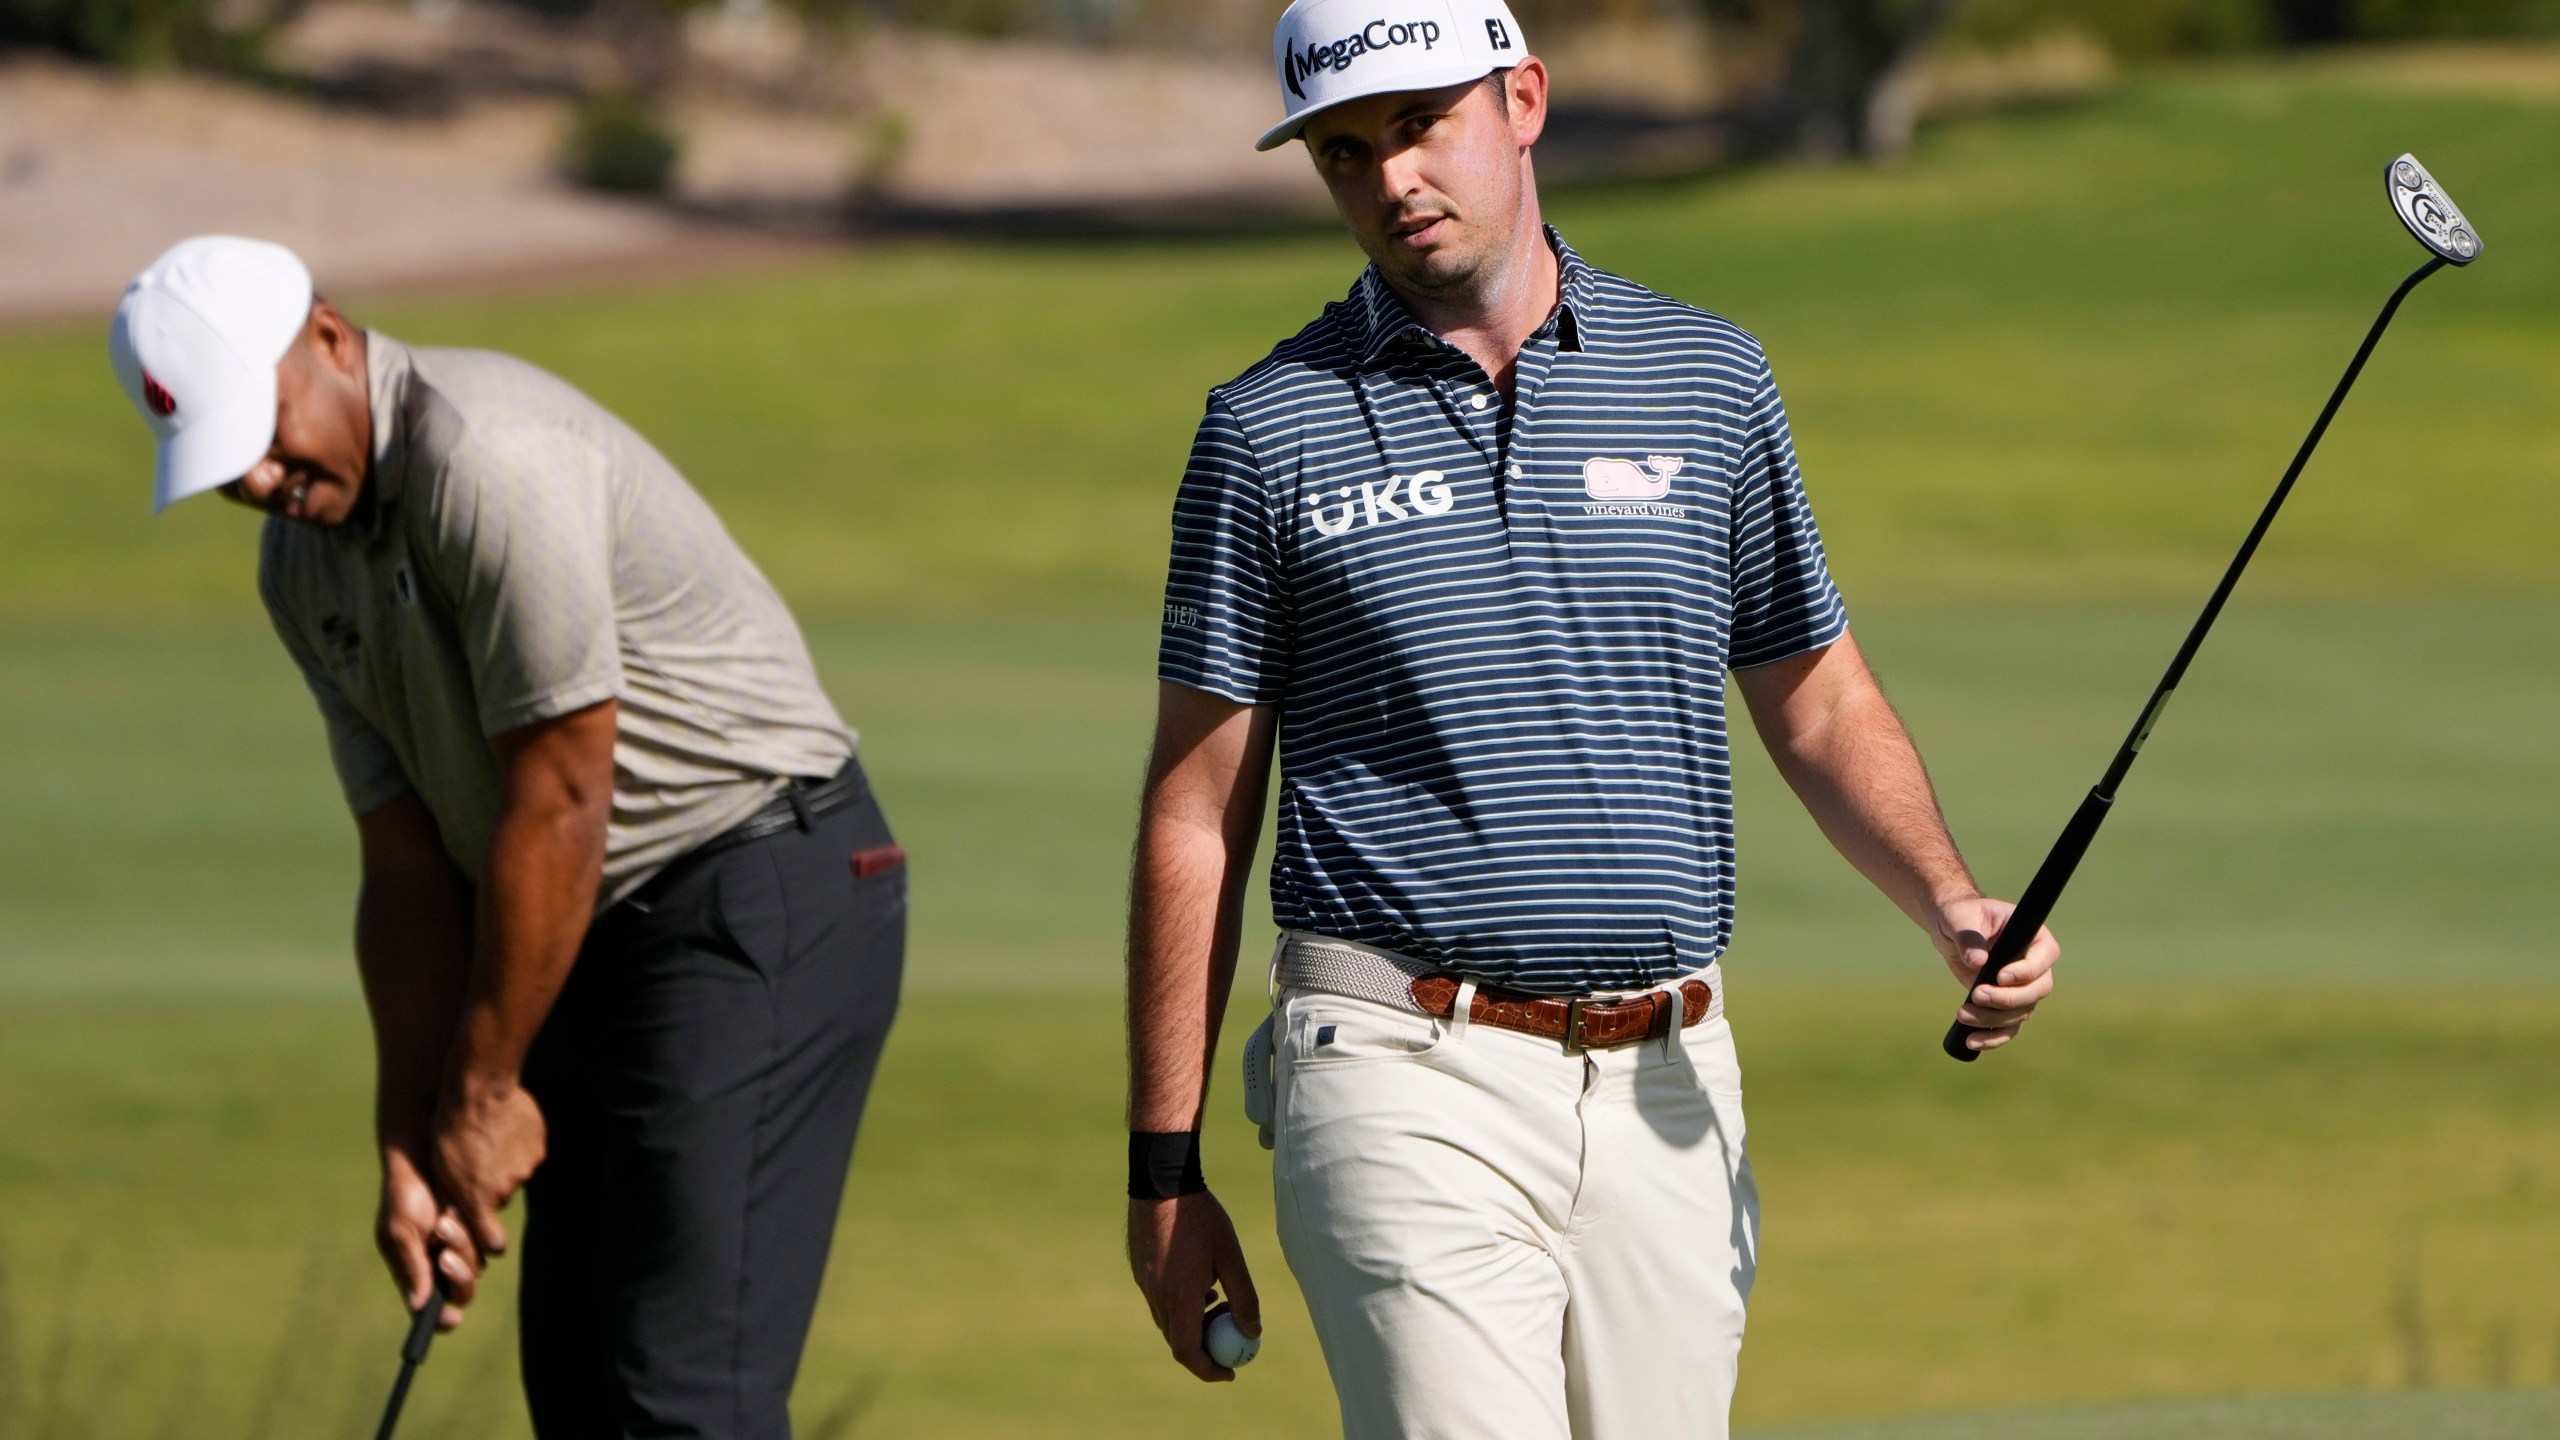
{"type": "Point", "coordinates": [519, 554]}
{"type": "Point", "coordinates": [1498, 635]}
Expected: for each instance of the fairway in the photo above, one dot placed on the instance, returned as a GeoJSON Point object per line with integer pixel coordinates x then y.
{"type": "Point", "coordinates": [2290, 1133]}
{"type": "Point", "coordinates": [2295, 821]}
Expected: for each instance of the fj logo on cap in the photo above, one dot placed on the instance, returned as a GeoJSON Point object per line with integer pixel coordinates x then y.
{"type": "Point", "coordinates": [1299, 66]}
{"type": "Point", "coordinates": [1497, 34]}
{"type": "Point", "coordinates": [157, 396]}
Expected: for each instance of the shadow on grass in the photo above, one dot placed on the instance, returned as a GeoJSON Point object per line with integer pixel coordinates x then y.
{"type": "Point", "coordinates": [73, 1378]}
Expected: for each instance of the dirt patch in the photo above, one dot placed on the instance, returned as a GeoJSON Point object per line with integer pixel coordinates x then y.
{"type": "Point", "coordinates": [100, 174]}
{"type": "Point", "coordinates": [417, 144]}
{"type": "Point", "coordinates": [421, 150]}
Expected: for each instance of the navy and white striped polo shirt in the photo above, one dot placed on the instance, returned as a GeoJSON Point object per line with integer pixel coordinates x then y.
{"type": "Point", "coordinates": [1498, 636]}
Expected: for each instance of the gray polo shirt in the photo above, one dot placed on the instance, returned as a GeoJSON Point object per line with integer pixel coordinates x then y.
{"type": "Point", "coordinates": [521, 554]}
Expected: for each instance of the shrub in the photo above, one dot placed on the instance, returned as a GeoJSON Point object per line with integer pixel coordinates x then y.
{"type": "Point", "coordinates": [2390, 18]}
{"type": "Point", "coordinates": [2133, 28]}
{"type": "Point", "coordinates": [616, 145]}
{"type": "Point", "coordinates": [131, 33]}
{"type": "Point", "coordinates": [2129, 28]}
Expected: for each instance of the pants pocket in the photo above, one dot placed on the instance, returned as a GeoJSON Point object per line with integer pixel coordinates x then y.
{"type": "Point", "coordinates": [1323, 1030]}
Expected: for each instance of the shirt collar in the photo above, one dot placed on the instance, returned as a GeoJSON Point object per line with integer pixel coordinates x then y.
{"type": "Point", "coordinates": [1379, 319]}
{"type": "Point", "coordinates": [387, 379]}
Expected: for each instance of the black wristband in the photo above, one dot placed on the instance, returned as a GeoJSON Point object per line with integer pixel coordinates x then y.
{"type": "Point", "coordinates": [1164, 1164]}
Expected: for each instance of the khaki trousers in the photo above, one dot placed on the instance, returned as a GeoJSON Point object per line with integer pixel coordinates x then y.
{"type": "Point", "coordinates": [1502, 1241]}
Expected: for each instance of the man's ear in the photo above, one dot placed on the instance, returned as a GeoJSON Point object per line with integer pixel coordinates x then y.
{"type": "Point", "coordinates": [334, 337]}
{"type": "Point", "coordinates": [1527, 87]}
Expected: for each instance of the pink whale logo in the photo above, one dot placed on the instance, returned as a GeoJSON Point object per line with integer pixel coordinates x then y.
{"type": "Point", "coordinates": [1605, 477]}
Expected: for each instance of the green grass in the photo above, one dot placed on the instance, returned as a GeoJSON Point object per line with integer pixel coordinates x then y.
{"type": "Point", "coordinates": [2290, 1130]}
{"type": "Point", "coordinates": [2290, 1169]}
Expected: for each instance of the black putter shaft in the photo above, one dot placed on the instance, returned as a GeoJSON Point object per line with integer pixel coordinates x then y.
{"type": "Point", "coordinates": [413, 1353]}
{"type": "Point", "coordinates": [2065, 855]}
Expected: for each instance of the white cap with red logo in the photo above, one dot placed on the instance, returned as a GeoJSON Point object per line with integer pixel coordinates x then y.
{"type": "Point", "coordinates": [195, 344]}
{"type": "Point", "coordinates": [1330, 51]}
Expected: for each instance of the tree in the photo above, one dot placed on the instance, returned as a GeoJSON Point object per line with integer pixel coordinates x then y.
{"type": "Point", "coordinates": [2314, 22]}
{"type": "Point", "coordinates": [1853, 75]}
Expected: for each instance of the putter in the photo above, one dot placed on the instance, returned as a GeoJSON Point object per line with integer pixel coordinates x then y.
{"type": "Point", "coordinates": [413, 1353]}
{"type": "Point", "coordinates": [2431, 216]}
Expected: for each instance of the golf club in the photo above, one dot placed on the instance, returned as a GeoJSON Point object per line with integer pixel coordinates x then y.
{"type": "Point", "coordinates": [2431, 216]}
{"type": "Point", "coordinates": [413, 1353]}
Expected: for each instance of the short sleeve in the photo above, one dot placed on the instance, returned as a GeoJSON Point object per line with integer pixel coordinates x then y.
{"type": "Point", "coordinates": [1784, 601]}
{"type": "Point", "coordinates": [1225, 626]}
{"type": "Point", "coordinates": [520, 540]}
{"type": "Point", "coordinates": [369, 772]}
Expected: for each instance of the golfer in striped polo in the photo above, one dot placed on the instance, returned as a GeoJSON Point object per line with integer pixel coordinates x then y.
{"type": "Point", "coordinates": [1478, 549]}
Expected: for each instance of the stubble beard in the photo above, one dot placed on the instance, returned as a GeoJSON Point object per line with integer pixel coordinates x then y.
{"type": "Point", "coordinates": [1444, 274]}
{"type": "Point", "coordinates": [1463, 271]}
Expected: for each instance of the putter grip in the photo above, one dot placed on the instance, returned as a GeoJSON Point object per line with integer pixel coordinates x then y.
{"type": "Point", "coordinates": [2034, 906]}
{"type": "Point", "coordinates": [422, 1327]}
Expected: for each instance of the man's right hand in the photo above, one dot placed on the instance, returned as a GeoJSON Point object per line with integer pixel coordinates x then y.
{"type": "Point", "coordinates": [414, 1230]}
{"type": "Point", "coordinates": [1177, 1249]}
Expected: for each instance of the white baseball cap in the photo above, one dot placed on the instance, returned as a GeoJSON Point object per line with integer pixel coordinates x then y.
{"type": "Point", "coordinates": [195, 343]}
{"type": "Point", "coordinates": [1330, 51]}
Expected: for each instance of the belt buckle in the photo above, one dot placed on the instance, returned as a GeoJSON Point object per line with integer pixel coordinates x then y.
{"type": "Point", "coordinates": [1575, 1041]}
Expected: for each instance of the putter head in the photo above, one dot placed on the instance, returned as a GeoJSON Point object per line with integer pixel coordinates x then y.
{"type": "Point", "coordinates": [2429, 213]}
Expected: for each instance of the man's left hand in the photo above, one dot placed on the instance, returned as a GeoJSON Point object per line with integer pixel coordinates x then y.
{"type": "Point", "coordinates": [1994, 1005]}
{"type": "Point", "coordinates": [488, 1142]}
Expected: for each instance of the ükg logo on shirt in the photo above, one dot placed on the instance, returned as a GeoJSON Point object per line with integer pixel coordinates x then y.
{"type": "Point", "coordinates": [1429, 493]}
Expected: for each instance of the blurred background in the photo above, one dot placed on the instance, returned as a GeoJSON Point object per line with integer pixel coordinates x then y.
{"type": "Point", "coordinates": [925, 294]}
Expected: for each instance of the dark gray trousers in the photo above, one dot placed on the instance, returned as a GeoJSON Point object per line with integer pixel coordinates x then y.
{"type": "Point", "coordinates": [702, 1077]}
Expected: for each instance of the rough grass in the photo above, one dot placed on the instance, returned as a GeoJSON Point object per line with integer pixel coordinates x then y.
{"type": "Point", "coordinates": [2349, 1192]}
{"type": "Point", "coordinates": [2488, 1415]}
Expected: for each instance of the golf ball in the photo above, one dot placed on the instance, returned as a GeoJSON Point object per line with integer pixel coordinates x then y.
{"type": "Point", "coordinates": [1227, 1343]}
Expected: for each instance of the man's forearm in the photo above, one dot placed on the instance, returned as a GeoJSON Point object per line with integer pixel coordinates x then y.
{"type": "Point", "coordinates": [1198, 823]}
{"type": "Point", "coordinates": [538, 886]}
{"type": "Point", "coordinates": [1865, 786]}
{"type": "Point", "coordinates": [1843, 750]}
{"type": "Point", "coordinates": [413, 950]}
{"type": "Point", "coordinates": [537, 894]}
{"type": "Point", "coordinates": [1183, 928]}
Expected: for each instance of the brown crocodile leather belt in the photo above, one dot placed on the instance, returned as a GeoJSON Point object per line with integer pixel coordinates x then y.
{"type": "Point", "coordinates": [1580, 1022]}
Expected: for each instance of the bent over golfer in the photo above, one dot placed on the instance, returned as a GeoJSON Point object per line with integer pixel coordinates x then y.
{"type": "Point", "coordinates": [631, 924]}
{"type": "Point", "coordinates": [1478, 549]}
